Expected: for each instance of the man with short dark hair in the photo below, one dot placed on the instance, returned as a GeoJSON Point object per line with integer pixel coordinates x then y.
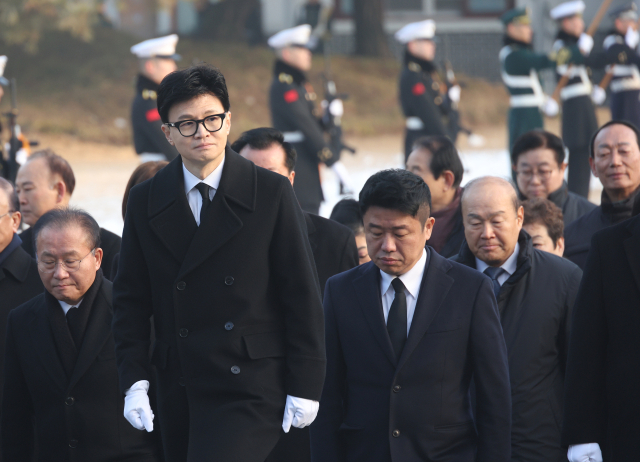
{"type": "Point", "coordinates": [538, 159]}
{"type": "Point", "coordinates": [615, 161]}
{"type": "Point", "coordinates": [543, 222]}
{"type": "Point", "coordinates": [333, 245]}
{"type": "Point", "coordinates": [436, 160]}
{"type": "Point", "coordinates": [217, 251]}
{"type": "Point", "coordinates": [46, 182]}
{"type": "Point", "coordinates": [61, 394]}
{"type": "Point", "coordinates": [405, 334]}
{"type": "Point", "coordinates": [535, 292]}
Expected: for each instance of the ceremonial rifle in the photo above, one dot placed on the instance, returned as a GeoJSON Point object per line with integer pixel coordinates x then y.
{"type": "Point", "coordinates": [17, 140]}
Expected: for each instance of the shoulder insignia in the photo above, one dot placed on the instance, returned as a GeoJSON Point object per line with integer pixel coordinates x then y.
{"type": "Point", "coordinates": [562, 56]}
{"type": "Point", "coordinates": [414, 67]}
{"type": "Point", "coordinates": [291, 96]}
{"type": "Point", "coordinates": [285, 78]}
{"type": "Point", "coordinates": [149, 94]}
{"type": "Point", "coordinates": [622, 57]}
{"type": "Point", "coordinates": [311, 96]}
{"type": "Point", "coordinates": [418, 89]}
{"type": "Point", "coordinates": [435, 86]}
{"type": "Point", "coordinates": [437, 100]}
{"type": "Point", "coordinates": [325, 154]}
{"type": "Point", "coordinates": [152, 115]}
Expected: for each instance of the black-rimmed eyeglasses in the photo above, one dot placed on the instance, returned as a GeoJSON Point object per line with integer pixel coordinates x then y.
{"type": "Point", "coordinates": [212, 123]}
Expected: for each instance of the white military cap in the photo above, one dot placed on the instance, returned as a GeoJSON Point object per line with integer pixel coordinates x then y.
{"type": "Point", "coordinates": [567, 9]}
{"type": "Point", "coordinates": [3, 63]}
{"type": "Point", "coordinates": [298, 35]}
{"type": "Point", "coordinates": [416, 31]}
{"type": "Point", "coordinates": [161, 47]}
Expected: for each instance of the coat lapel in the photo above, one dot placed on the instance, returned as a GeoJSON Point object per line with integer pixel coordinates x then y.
{"type": "Point", "coordinates": [42, 339]}
{"type": "Point", "coordinates": [311, 232]}
{"type": "Point", "coordinates": [632, 248]}
{"type": "Point", "coordinates": [367, 288]}
{"type": "Point", "coordinates": [435, 286]}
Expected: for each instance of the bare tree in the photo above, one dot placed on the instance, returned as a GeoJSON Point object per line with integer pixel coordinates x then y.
{"type": "Point", "coordinates": [227, 20]}
{"type": "Point", "coordinates": [371, 39]}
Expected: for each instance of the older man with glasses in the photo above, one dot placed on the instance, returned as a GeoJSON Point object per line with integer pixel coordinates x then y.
{"type": "Point", "coordinates": [61, 394]}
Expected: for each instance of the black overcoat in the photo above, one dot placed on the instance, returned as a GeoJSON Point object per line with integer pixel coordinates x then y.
{"type": "Point", "coordinates": [376, 409]}
{"type": "Point", "coordinates": [73, 417]}
{"type": "Point", "coordinates": [602, 404]}
{"type": "Point", "coordinates": [236, 306]}
{"type": "Point", "coordinates": [535, 309]}
{"type": "Point", "coordinates": [572, 205]}
{"type": "Point", "coordinates": [577, 236]}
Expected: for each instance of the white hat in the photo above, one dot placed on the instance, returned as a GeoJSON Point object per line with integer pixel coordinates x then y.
{"type": "Point", "coordinates": [3, 63]}
{"type": "Point", "coordinates": [416, 31]}
{"type": "Point", "coordinates": [295, 36]}
{"type": "Point", "coordinates": [161, 47]}
{"type": "Point", "coordinates": [567, 9]}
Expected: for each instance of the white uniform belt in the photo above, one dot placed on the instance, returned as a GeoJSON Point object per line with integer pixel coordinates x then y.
{"type": "Point", "coordinates": [530, 100]}
{"type": "Point", "coordinates": [414, 123]}
{"type": "Point", "coordinates": [624, 70]}
{"type": "Point", "coordinates": [574, 90]}
{"type": "Point", "coordinates": [294, 137]}
{"type": "Point", "coordinates": [151, 157]}
{"type": "Point", "coordinates": [619, 85]}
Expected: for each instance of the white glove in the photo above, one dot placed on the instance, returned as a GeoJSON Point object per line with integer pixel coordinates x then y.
{"type": "Point", "coordinates": [299, 412]}
{"type": "Point", "coordinates": [585, 43]}
{"type": "Point", "coordinates": [598, 95]}
{"type": "Point", "coordinates": [589, 452]}
{"type": "Point", "coordinates": [632, 37]}
{"type": "Point", "coordinates": [336, 108]}
{"type": "Point", "coordinates": [454, 93]}
{"type": "Point", "coordinates": [550, 107]}
{"type": "Point", "coordinates": [137, 409]}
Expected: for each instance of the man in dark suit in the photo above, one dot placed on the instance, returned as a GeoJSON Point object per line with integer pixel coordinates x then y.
{"type": "Point", "coordinates": [61, 394]}
{"type": "Point", "coordinates": [333, 245]}
{"type": "Point", "coordinates": [602, 406]}
{"type": "Point", "coordinates": [615, 160]}
{"type": "Point", "coordinates": [45, 182]}
{"type": "Point", "coordinates": [405, 334]}
{"type": "Point", "coordinates": [216, 250]}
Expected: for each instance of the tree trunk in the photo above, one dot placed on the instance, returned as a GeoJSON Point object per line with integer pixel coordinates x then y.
{"type": "Point", "coordinates": [371, 39]}
{"type": "Point", "coordinates": [227, 20]}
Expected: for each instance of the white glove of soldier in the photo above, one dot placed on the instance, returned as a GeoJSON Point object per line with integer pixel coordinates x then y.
{"type": "Point", "coordinates": [299, 412]}
{"type": "Point", "coordinates": [454, 93]}
{"type": "Point", "coordinates": [589, 452]}
{"type": "Point", "coordinates": [550, 107]}
{"type": "Point", "coordinates": [585, 43]}
{"type": "Point", "coordinates": [632, 37]}
{"type": "Point", "coordinates": [598, 95]}
{"type": "Point", "coordinates": [336, 108]}
{"type": "Point", "coordinates": [137, 409]}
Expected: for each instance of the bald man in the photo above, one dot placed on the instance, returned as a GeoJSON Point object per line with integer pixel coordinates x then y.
{"type": "Point", "coordinates": [535, 292]}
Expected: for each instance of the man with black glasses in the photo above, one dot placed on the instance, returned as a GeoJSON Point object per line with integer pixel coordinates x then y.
{"type": "Point", "coordinates": [216, 250]}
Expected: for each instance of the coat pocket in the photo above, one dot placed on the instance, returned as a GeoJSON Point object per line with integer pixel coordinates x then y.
{"type": "Point", "coordinates": [455, 427]}
{"type": "Point", "coordinates": [265, 345]}
{"type": "Point", "coordinates": [160, 355]}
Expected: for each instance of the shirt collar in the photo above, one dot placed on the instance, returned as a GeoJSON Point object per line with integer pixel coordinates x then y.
{"type": "Point", "coordinates": [412, 279]}
{"type": "Point", "coordinates": [66, 307]}
{"type": "Point", "coordinates": [213, 180]}
{"type": "Point", "coordinates": [509, 266]}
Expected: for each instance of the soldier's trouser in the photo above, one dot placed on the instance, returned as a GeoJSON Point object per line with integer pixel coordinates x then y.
{"type": "Point", "coordinates": [579, 170]}
{"type": "Point", "coordinates": [625, 105]}
{"type": "Point", "coordinates": [521, 121]}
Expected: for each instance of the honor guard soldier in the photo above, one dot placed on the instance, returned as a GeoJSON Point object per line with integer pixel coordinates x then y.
{"type": "Point", "coordinates": [293, 112]}
{"type": "Point", "coordinates": [157, 58]}
{"type": "Point", "coordinates": [578, 112]}
{"type": "Point", "coordinates": [621, 49]}
{"type": "Point", "coordinates": [424, 98]}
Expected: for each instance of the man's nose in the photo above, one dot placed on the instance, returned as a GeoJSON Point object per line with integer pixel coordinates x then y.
{"type": "Point", "coordinates": [487, 231]}
{"type": "Point", "coordinates": [60, 271]}
{"type": "Point", "coordinates": [201, 132]}
{"type": "Point", "coordinates": [388, 244]}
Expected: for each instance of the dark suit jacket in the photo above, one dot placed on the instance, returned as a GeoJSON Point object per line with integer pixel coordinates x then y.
{"type": "Point", "coordinates": [602, 403]}
{"type": "Point", "coordinates": [109, 243]}
{"type": "Point", "coordinates": [374, 409]}
{"type": "Point", "coordinates": [236, 306]}
{"type": "Point", "coordinates": [76, 417]}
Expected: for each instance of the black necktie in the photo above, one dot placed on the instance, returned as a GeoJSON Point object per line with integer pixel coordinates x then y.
{"type": "Point", "coordinates": [74, 324]}
{"type": "Point", "coordinates": [494, 274]}
{"type": "Point", "coordinates": [397, 319]}
{"type": "Point", "coordinates": [204, 192]}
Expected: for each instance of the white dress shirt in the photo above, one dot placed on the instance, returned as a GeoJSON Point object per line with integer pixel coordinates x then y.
{"type": "Point", "coordinates": [412, 281]}
{"type": "Point", "coordinates": [509, 266]}
{"type": "Point", "coordinates": [66, 307]}
{"type": "Point", "coordinates": [193, 195]}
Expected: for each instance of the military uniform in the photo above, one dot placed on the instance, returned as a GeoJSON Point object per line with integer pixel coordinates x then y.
{"type": "Point", "coordinates": [579, 120]}
{"type": "Point", "coordinates": [293, 112]}
{"type": "Point", "coordinates": [147, 132]}
{"type": "Point", "coordinates": [625, 85]}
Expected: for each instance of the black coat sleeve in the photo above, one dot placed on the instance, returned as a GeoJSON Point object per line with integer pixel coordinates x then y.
{"type": "Point", "coordinates": [17, 409]}
{"type": "Point", "coordinates": [572, 292]}
{"type": "Point", "coordinates": [350, 257]}
{"type": "Point", "coordinates": [585, 415]}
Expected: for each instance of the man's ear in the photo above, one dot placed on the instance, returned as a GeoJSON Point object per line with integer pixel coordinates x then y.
{"type": "Point", "coordinates": [592, 164]}
{"type": "Point", "coordinates": [61, 190]}
{"type": "Point", "coordinates": [292, 177]}
{"type": "Point", "coordinates": [520, 215]}
{"type": "Point", "coordinates": [449, 179]}
{"type": "Point", "coordinates": [227, 120]}
{"type": "Point", "coordinates": [167, 133]}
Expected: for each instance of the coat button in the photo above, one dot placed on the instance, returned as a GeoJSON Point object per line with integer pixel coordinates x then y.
{"type": "Point", "coordinates": [228, 280]}
{"type": "Point", "coordinates": [69, 401]}
{"type": "Point", "coordinates": [397, 388]}
{"type": "Point", "coordinates": [235, 370]}
{"type": "Point", "coordinates": [184, 332]}
{"type": "Point", "coordinates": [181, 285]}
{"type": "Point", "coordinates": [73, 444]}
{"type": "Point", "coordinates": [228, 326]}
{"type": "Point", "coordinates": [181, 381]}
{"type": "Point", "coordinates": [396, 433]}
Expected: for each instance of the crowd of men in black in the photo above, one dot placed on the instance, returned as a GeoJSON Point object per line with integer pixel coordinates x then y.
{"type": "Point", "coordinates": [424, 321]}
